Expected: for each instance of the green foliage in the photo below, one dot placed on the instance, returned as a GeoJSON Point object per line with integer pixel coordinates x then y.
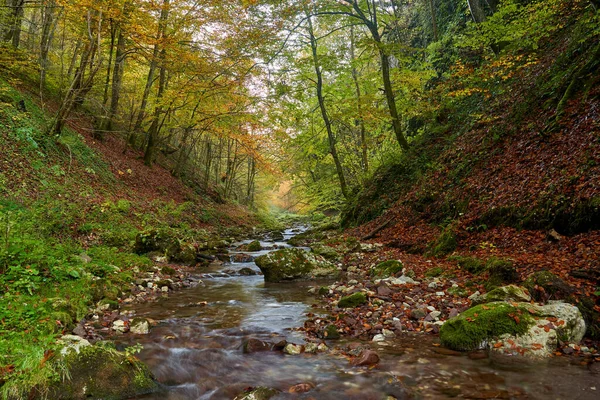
{"type": "Point", "coordinates": [473, 265]}
{"type": "Point", "coordinates": [433, 272]}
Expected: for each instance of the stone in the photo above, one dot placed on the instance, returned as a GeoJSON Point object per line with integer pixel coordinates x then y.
{"type": "Point", "coordinates": [293, 349]}
{"type": "Point", "coordinates": [516, 329]}
{"type": "Point", "coordinates": [387, 269]}
{"type": "Point", "coordinates": [325, 251]}
{"type": "Point", "coordinates": [352, 301]}
{"type": "Point", "coordinates": [294, 264]}
{"type": "Point", "coordinates": [72, 343]}
{"type": "Point", "coordinates": [247, 271]}
{"type": "Point", "coordinates": [418, 313]}
{"type": "Point", "coordinates": [383, 290]}
{"type": "Point", "coordinates": [257, 393]}
{"type": "Point", "coordinates": [387, 333]}
{"type": "Point", "coordinates": [366, 357]}
{"type": "Point", "coordinates": [432, 285]}
{"type": "Point", "coordinates": [164, 289]}
{"type": "Point", "coordinates": [139, 326]}
{"type": "Point", "coordinates": [331, 333]}
{"type": "Point", "coordinates": [253, 246]}
{"type": "Point", "coordinates": [253, 345]}
{"type": "Point", "coordinates": [379, 338]}
{"type": "Point", "coordinates": [435, 315]}
{"type": "Point", "coordinates": [504, 293]}
{"type": "Point", "coordinates": [119, 326]}
{"type": "Point", "coordinates": [101, 372]}
{"type": "Point", "coordinates": [311, 348]}
{"type": "Point", "coordinates": [403, 280]}
{"type": "Point", "coordinates": [544, 284]}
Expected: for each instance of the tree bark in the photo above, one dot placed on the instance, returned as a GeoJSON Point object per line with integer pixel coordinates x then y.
{"type": "Point", "coordinates": [359, 121]}
{"type": "Point", "coordinates": [323, 108]}
{"type": "Point", "coordinates": [433, 20]}
{"type": "Point", "coordinates": [476, 9]}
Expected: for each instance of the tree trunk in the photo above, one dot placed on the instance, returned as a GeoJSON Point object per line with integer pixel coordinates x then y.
{"type": "Point", "coordinates": [476, 9]}
{"type": "Point", "coordinates": [359, 121]}
{"type": "Point", "coordinates": [324, 115]}
{"type": "Point", "coordinates": [433, 20]}
{"type": "Point", "coordinates": [16, 11]}
{"type": "Point", "coordinates": [117, 79]}
{"type": "Point", "coordinates": [48, 26]}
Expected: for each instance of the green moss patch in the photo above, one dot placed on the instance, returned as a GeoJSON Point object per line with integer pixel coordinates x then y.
{"type": "Point", "coordinates": [254, 246]}
{"type": "Point", "coordinates": [446, 243]}
{"type": "Point", "coordinates": [482, 324]}
{"type": "Point", "coordinates": [354, 300]}
{"type": "Point", "coordinates": [433, 272]}
{"type": "Point", "coordinates": [387, 269]}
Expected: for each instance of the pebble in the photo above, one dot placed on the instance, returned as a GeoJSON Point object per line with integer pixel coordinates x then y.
{"type": "Point", "coordinates": [388, 333]}
{"type": "Point", "coordinates": [432, 285]}
{"type": "Point", "coordinates": [379, 338]}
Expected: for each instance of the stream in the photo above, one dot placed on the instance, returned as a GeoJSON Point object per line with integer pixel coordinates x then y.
{"type": "Point", "coordinates": [195, 351]}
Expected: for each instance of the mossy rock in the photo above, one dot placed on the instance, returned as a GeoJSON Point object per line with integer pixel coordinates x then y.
{"type": "Point", "coordinates": [103, 288]}
{"type": "Point", "coordinates": [257, 393]}
{"type": "Point", "coordinates": [323, 291]}
{"type": "Point", "coordinates": [501, 271]}
{"type": "Point", "coordinates": [353, 300]}
{"type": "Point", "coordinates": [386, 269]}
{"type": "Point", "coordinates": [76, 310]}
{"type": "Point", "coordinates": [504, 293]}
{"type": "Point", "coordinates": [457, 291]}
{"type": "Point", "coordinates": [254, 246]}
{"type": "Point", "coordinates": [168, 271]}
{"type": "Point", "coordinates": [472, 265]}
{"type": "Point", "coordinates": [446, 243]}
{"type": "Point", "coordinates": [551, 286]}
{"type": "Point", "coordinates": [99, 372]}
{"type": "Point", "coordinates": [108, 303]}
{"type": "Point", "coordinates": [331, 333]}
{"type": "Point", "coordinates": [483, 323]}
{"type": "Point", "coordinates": [434, 272]}
{"type": "Point", "coordinates": [294, 264]}
{"type": "Point", "coordinates": [325, 251]}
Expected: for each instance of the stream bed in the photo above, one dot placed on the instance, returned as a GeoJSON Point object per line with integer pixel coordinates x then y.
{"type": "Point", "coordinates": [195, 351]}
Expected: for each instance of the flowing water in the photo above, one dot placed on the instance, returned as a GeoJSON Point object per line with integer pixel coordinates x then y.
{"type": "Point", "coordinates": [195, 351]}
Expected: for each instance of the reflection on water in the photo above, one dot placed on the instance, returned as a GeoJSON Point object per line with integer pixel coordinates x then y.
{"type": "Point", "coordinates": [195, 352]}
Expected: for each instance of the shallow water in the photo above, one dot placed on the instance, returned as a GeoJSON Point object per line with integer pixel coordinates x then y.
{"type": "Point", "coordinates": [195, 351]}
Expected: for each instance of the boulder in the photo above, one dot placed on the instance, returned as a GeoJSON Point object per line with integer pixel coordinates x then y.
{"type": "Point", "coordinates": [514, 328]}
{"type": "Point", "coordinates": [503, 293]}
{"type": "Point", "coordinates": [253, 246]}
{"type": "Point", "coordinates": [294, 264]}
{"type": "Point", "coordinates": [139, 326]}
{"type": "Point", "coordinates": [387, 269]}
{"type": "Point", "coordinates": [100, 372]}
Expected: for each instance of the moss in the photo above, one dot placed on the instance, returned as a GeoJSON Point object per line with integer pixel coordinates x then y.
{"type": "Point", "coordinates": [325, 251]}
{"type": "Point", "coordinates": [544, 284]}
{"type": "Point", "coordinates": [168, 271]}
{"type": "Point", "coordinates": [103, 288]}
{"type": "Point", "coordinates": [457, 291]}
{"type": "Point", "coordinates": [331, 332]}
{"type": "Point", "coordinates": [102, 373]}
{"type": "Point", "coordinates": [258, 393]}
{"type": "Point", "coordinates": [323, 291]}
{"type": "Point", "coordinates": [470, 264]}
{"type": "Point", "coordinates": [433, 272]}
{"type": "Point", "coordinates": [387, 269]}
{"type": "Point", "coordinates": [354, 300]}
{"type": "Point", "coordinates": [112, 304]}
{"type": "Point", "coordinates": [254, 246]}
{"type": "Point", "coordinates": [293, 264]}
{"type": "Point", "coordinates": [446, 243]}
{"type": "Point", "coordinates": [483, 323]}
{"type": "Point", "coordinates": [501, 271]}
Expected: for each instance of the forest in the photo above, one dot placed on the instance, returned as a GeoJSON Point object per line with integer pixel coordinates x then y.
{"type": "Point", "coordinates": [417, 147]}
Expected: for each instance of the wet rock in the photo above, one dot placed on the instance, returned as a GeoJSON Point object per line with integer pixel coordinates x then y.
{"type": "Point", "coordinates": [292, 349]}
{"type": "Point", "coordinates": [100, 372]}
{"type": "Point", "coordinates": [504, 293]}
{"type": "Point", "coordinates": [242, 258]}
{"type": "Point", "coordinates": [258, 393]}
{"type": "Point", "coordinates": [120, 326]}
{"type": "Point", "coordinates": [366, 357]}
{"type": "Point", "coordinates": [379, 338]}
{"type": "Point", "coordinates": [253, 246]}
{"type": "Point", "coordinates": [302, 388]}
{"type": "Point", "coordinates": [352, 301]}
{"type": "Point", "coordinates": [247, 271]}
{"type": "Point", "coordinates": [294, 264]}
{"type": "Point", "coordinates": [384, 290]}
{"type": "Point", "coordinates": [139, 326]}
{"type": "Point", "coordinates": [253, 345]}
{"type": "Point", "coordinates": [403, 280]}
